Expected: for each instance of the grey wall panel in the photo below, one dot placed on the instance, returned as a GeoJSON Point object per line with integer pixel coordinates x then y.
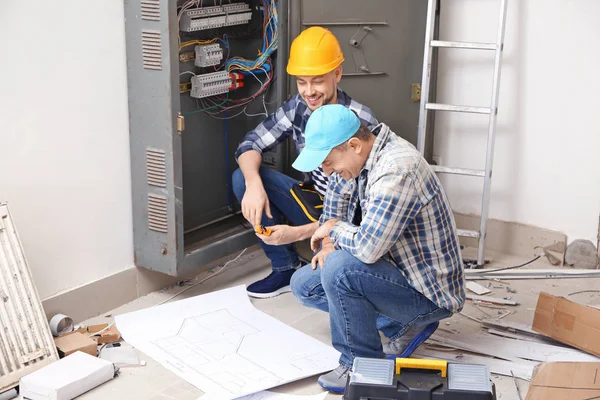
{"type": "Point", "coordinates": [394, 47]}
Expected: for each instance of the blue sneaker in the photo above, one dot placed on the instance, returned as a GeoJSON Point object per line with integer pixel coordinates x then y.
{"type": "Point", "coordinates": [335, 381]}
{"type": "Point", "coordinates": [276, 283]}
{"type": "Point", "coordinates": [406, 344]}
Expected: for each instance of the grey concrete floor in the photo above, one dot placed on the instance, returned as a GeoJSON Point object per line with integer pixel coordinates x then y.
{"type": "Point", "coordinates": [154, 382]}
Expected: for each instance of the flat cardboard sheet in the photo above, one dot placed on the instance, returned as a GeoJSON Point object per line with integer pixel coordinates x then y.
{"type": "Point", "coordinates": [568, 322]}
{"type": "Point", "coordinates": [565, 381]}
{"type": "Point", "coordinates": [221, 344]}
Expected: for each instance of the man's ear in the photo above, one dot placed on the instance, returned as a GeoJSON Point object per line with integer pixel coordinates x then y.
{"type": "Point", "coordinates": [355, 145]}
{"type": "Point", "coordinates": [337, 74]}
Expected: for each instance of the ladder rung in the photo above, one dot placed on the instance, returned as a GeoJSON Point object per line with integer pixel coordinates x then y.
{"type": "Point", "coordinates": [467, 233]}
{"type": "Point", "coordinates": [465, 109]}
{"type": "Point", "coordinates": [458, 171]}
{"type": "Point", "coordinates": [464, 45]}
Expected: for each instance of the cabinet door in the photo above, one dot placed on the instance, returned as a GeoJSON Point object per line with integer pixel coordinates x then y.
{"type": "Point", "coordinates": [383, 42]}
{"type": "Point", "coordinates": [152, 70]}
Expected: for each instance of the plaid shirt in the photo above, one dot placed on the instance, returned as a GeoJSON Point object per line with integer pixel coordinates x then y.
{"type": "Point", "coordinates": [405, 218]}
{"type": "Point", "coordinates": [290, 120]}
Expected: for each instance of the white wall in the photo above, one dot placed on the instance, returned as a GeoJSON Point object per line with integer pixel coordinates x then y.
{"type": "Point", "coordinates": [547, 156]}
{"type": "Point", "coordinates": [64, 148]}
{"type": "Point", "coordinates": [64, 153]}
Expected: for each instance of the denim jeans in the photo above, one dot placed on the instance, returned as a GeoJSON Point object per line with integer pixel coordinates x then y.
{"type": "Point", "coordinates": [277, 186]}
{"type": "Point", "coordinates": [362, 299]}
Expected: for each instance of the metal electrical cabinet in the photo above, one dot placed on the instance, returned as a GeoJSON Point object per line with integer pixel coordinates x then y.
{"type": "Point", "coordinates": [184, 211]}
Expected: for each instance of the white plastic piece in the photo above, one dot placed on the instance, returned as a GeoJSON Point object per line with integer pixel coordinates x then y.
{"type": "Point", "coordinates": [208, 55]}
{"type": "Point", "coordinates": [26, 343]}
{"type": "Point", "coordinates": [60, 324]}
{"type": "Point", "coordinates": [198, 19]}
{"type": "Point", "coordinates": [67, 378]}
{"type": "Point", "coordinates": [211, 84]}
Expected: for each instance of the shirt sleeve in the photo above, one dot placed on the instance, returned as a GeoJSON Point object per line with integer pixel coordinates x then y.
{"type": "Point", "coordinates": [392, 202]}
{"type": "Point", "coordinates": [273, 130]}
{"type": "Point", "coordinates": [337, 199]}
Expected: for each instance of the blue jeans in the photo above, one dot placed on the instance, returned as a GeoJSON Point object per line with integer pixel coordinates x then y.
{"type": "Point", "coordinates": [362, 299]}
{"type": "Point", "coordinates": [277, 186]}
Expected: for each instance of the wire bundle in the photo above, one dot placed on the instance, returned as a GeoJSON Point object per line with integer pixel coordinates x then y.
{"type": "Point", "coordinates": [222, 106]}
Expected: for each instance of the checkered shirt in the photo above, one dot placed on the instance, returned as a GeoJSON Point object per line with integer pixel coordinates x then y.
{"type": "Point", "coordinates": [405, 219]}
{"type": "Point", "coordinates": [290, 121]}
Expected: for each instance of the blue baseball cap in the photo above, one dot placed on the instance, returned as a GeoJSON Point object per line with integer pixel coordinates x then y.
{"type": "Point", "coordinates": [327, 127]}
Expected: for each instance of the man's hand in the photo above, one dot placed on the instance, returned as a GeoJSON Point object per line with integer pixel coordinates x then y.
{"type": "Point", "coordinates": [254, 202]}
{"type": "Point", "coordinates": [280, 235]}
{"type": "Point", "coordinates": [321, 233]}
{"type": "Point", "coordinates": [320, 257]}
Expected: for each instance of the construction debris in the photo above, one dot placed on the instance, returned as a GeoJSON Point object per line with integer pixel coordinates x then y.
{"type": "Point", "coordinates": [492, 300]}
{"type": "Point", "coordinates": [565, 380]}
{"type": "Point", "coordinates": [558, 273]}
{"type": "Point", "coordinates": [477, 288]}
{"type": "Point", "coordinates": [568, 322]}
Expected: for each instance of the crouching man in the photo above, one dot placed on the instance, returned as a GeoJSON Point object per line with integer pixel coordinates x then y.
{"type": "Point", "coordinates": [388, 253]}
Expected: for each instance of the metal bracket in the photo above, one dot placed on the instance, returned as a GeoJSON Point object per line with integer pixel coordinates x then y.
{"type": "Point", "coordinates": [360, 62]}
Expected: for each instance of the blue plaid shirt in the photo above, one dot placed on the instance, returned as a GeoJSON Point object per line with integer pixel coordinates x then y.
{"type": "Point", "coordinates": [290, 120]}
{"type": "Point", "coordinates": [405, 218]}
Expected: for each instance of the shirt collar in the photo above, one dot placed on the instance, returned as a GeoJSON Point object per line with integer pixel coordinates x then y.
{"type": "Point", "coordinates": [382, 131]}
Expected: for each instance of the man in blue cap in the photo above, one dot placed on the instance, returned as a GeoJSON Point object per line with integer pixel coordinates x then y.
{"type": "Point", "coordinates": [387, 245]}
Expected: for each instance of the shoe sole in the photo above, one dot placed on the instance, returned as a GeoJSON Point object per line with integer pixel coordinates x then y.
{"type": "Point", "coordinates": [276, 293]}
{"type": "Point", "coordinates": [332, 389]}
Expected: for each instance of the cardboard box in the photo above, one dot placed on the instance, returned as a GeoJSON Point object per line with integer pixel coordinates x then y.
{"type": "Point", "coordinates": [75, 341]}
{"type": "Point", "coordinates": [568, 322]}
{"type": "Point", "coordinates": [565, 381]}
{"type": "Point", "coordinates": [111, 335]}
{"type": "Point", "coordinates": [67, 378]}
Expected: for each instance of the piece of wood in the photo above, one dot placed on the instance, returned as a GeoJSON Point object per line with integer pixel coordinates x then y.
{"type": "Point", "coordinates": [492, 300]}
{"type": "Point", "coordinates": [500, 367]}
{"type": "Point", "coordinates": [477, 288]}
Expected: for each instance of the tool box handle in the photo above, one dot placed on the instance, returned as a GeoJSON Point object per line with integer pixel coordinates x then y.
{"type": "Point", "coordinates": [414, 363]}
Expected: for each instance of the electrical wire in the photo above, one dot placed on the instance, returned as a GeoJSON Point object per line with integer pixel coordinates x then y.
{"type": "Point", "coordinates": [204, 279]}
{"type": "Point", "coordinates": [486, 271]}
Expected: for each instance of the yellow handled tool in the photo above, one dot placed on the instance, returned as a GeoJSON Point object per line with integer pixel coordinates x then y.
{"type": "Point", "coordinates": [261, 230]}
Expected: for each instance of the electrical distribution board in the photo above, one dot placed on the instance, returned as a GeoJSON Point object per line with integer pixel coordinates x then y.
{"type": "Point", "coordinates": [201, 74]}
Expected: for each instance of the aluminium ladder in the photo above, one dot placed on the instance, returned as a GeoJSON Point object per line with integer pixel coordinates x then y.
{"type": "Point", "coordinates": [492, 111]}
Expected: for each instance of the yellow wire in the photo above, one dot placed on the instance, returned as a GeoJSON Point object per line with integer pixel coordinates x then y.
{"type": "Point", "coordinates": [199, 42]}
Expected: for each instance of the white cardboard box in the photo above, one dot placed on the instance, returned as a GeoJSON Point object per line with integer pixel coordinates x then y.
{"type": "Point", "coordinates": [67, 378]}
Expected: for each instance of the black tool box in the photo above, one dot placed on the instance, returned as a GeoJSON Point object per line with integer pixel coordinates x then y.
{"type": "Point", "coordinates": [415, 379]}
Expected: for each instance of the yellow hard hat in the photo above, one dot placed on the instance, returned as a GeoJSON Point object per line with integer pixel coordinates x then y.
{"type": "Point", "coordinates": [316, 51]}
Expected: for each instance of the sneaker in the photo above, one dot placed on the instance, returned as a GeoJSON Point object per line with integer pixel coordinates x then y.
{"type": "Point", "coordinates": [406, 344]}
{"type": "Point", "coordinates": [276, 283]}
{"type": "Point", "coordinates": [335, 381]}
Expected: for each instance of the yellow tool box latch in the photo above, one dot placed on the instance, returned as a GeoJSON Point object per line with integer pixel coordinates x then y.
{"type": "Point", "coordinates": [413, 363]}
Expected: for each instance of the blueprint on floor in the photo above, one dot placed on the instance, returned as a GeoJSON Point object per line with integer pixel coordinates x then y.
{"type": "Point", "coordinates": [224, 346]}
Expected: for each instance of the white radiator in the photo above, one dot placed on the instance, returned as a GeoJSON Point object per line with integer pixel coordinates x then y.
{"type": "Point", "coordinates": [26, 342]}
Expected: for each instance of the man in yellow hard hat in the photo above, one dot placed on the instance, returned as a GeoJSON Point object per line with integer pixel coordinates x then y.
{"type": "Point", "coordinates": [267, 196]}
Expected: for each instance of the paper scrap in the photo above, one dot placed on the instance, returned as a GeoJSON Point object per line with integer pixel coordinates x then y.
{"type": "Point", "coordinates": [224, 346]}
{"type": "Point", "coordinates": [266, 395]}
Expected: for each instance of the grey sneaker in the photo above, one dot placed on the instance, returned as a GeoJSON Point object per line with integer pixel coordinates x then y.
{"type": "Point", "coordinates": [335, 381]}
{"type": "Point", "coordinates": [398, 346]}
